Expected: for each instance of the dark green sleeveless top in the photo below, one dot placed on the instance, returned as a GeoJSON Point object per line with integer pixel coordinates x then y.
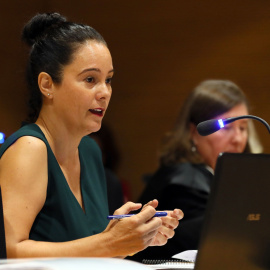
{"type": "Point", "coordinates": [62, 218]}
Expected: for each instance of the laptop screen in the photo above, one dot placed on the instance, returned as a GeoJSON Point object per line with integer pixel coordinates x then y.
{"type": "Point", "coordinates": [236, 232]}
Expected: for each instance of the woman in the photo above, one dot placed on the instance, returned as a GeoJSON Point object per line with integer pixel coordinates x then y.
{"type": "Point", "coordinates": [51, 173]}
{"type": "Point", "coordinates": [188, 160]}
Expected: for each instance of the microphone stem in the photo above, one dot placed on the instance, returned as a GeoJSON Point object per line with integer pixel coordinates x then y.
{"type": "Point", "coordinates": [229, 120]}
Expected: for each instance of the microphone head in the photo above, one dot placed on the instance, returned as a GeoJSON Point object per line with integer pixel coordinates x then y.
{"type": "Point", "coordinates": [208, 127]}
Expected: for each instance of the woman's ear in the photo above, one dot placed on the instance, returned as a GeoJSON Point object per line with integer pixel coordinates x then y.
{"type": "Point", "coordinates": [45, 84]}
{"type": "Point", "coordinates": [193, 133]}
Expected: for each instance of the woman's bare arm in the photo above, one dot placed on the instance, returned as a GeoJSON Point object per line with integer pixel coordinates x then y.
{"type": "Point", "coordinates": [23, 179]}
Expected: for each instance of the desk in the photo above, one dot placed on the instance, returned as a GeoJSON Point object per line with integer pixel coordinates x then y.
{"type": "Point", "coordinates": [71, 264]}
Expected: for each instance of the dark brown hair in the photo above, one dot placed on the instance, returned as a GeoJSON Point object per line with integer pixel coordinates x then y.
{"type": "Point", "coordinates": [53, 41]}
{"type": "Point", "coordinates": [208, 100]}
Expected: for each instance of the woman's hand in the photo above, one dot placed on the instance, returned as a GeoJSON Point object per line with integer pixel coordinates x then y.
{"type": "Point", "coordinates": [132, 234]}
{"type": "Point", "coordinates": [169, 224]}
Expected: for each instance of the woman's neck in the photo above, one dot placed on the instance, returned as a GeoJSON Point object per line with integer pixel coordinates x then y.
{"type": "Point", "coordinates": [63, 143]}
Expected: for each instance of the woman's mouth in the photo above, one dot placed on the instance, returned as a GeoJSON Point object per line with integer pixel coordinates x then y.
{"type": "Point", "coordinates": [98, 112]}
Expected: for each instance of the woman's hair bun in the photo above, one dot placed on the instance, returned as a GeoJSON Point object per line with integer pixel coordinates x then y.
{"type": "Point", "coordinates": [36, 28]}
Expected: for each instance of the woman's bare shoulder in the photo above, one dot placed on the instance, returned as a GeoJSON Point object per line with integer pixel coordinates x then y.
{"type": "Point", "coordinates": [26, 145]}
{"type": "Point", "coordinates": [25, 159]}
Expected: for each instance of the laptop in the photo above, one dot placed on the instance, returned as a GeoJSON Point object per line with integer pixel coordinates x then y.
{"type": "Point", "coordinates": [236, 232]}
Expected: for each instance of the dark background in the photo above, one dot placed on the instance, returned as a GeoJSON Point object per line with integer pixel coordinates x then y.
{"type": "Point", "coordinates": [161, 50]}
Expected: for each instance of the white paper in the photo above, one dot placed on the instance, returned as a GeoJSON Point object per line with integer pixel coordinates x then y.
{"type": "Point", "coordinates": [71, 264]}
{"type": "Point", "coordinates": [188, 255]}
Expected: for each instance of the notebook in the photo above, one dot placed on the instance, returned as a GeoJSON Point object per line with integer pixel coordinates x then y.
{"type": "Point", "coordinates": [168, 264]}
{"type": "Point", "coordinates": [236, 231]}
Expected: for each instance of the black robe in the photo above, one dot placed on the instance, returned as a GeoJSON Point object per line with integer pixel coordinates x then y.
{"type": "Point", "coordinates": [185, 186]}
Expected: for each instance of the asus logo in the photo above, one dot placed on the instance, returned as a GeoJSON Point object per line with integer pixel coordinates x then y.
{"type": "Point", "coordinates": [253, 217]}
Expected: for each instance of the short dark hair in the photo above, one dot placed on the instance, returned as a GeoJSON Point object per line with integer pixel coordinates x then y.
{"type": "Point", "coordinates": [53, 41]}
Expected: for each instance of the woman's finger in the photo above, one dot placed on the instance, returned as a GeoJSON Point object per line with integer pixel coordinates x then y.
{"type": "Point", "coordinates": [176, 213]}
{"type": "Point", "coordinates": [153, 203]}
{"type": "Point", "coordinates": [127, 207]}
{"type": "Point", "coordinates": [167, 232]}
{"type": "Point", "coordinates": [170, 222]}
{"type": "Point", "coordinates": [159, 240]}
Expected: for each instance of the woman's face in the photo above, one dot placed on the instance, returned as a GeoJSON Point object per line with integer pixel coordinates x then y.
{"type": "Point", "coordinates": [232, 138]}
{"type": "Point", "coordinates": [83, 96]}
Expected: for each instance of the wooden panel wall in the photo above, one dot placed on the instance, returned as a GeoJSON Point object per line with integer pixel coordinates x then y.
{"type": "Point", "coordinates": [161, 50]}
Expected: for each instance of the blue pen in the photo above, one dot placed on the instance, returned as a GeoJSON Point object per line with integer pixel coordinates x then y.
{"type": "Point", "coordinates": [157, 214]}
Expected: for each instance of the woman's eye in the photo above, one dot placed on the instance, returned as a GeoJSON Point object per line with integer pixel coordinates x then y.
{"type": "Point", "coordinates": [227, 127]}
{"type": "Point", "coordinates": [243, 129]}
{"type": "Point", "coordinates": [109, 81]}
{"type": "Point", "coordinates": [89, 79]}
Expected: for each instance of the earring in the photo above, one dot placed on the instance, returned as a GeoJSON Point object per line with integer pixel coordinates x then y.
{"type": "Point", "coordinates": [193, 148]}
{"type": "Point", "coordinates": [48, 94]}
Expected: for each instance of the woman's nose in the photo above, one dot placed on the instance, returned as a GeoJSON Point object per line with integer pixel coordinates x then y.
{"type": "Point", "coordinates": [104, 91]}
{"type": "Point", "coordinates": [238, 135]}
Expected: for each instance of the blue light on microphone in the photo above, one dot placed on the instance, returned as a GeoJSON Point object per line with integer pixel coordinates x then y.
{"type": "Point", "coordinates": [221, 124]}
{"type": "Point", "coordinates": [2, 137]}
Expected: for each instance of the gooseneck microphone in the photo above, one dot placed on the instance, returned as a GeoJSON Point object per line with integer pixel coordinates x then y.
{"type": "Point", "coordinates": [210, 126]}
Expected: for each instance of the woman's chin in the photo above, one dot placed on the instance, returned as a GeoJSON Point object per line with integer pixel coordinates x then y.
{"type": "Point", "coordinates": [94, 128]}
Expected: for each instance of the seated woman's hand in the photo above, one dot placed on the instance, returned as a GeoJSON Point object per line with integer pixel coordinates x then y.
{"type": "Point", "coordinates": [133, 234]}
{"type": "Point", "coordinates": [169, 224]}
